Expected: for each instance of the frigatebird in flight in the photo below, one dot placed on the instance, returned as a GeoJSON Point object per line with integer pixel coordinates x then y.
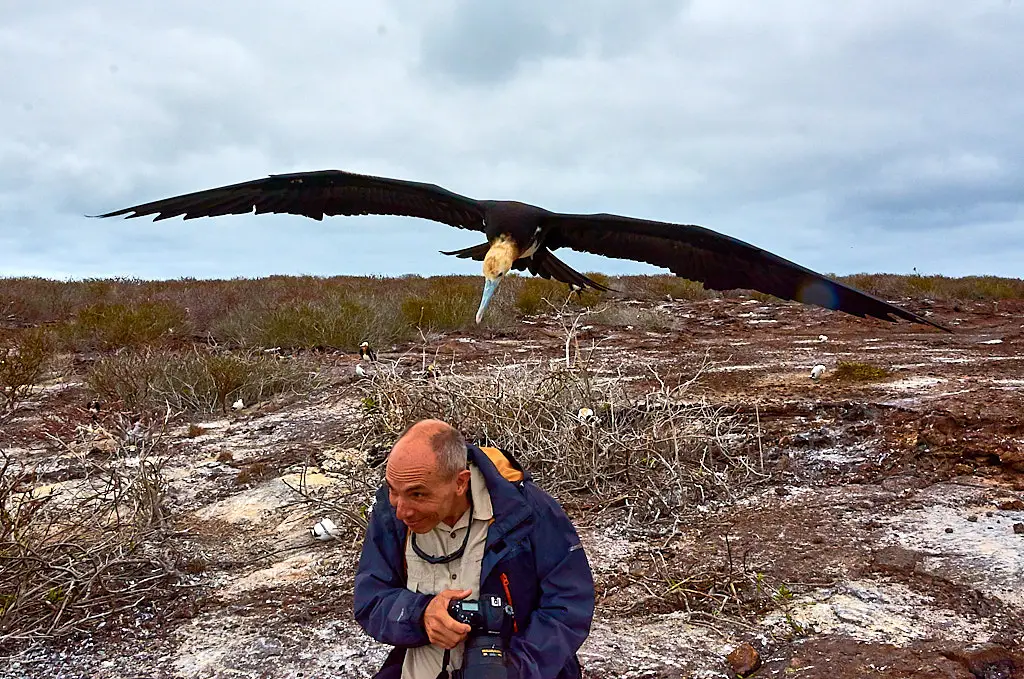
{"type": "Point", "coordinates": [524, 237]}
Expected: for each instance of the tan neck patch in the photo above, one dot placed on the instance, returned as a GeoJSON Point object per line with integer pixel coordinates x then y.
{"type": "Point", "coordinates": [500, 256]}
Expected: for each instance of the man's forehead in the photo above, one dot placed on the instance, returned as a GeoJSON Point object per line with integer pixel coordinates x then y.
{"type": "Point", "coordinates": [404, 471]}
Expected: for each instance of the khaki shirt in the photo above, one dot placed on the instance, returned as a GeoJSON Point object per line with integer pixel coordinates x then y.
{"type": "Point", "coordinates": [424, 662]}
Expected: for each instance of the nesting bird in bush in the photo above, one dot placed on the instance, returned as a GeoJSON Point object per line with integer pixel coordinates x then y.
{"type": "Point", "coordinates": [366, 353]}
{"type": "Point", "coordinates": [360, 370]}
{"type": "Point", "coordinates": [524, 237]}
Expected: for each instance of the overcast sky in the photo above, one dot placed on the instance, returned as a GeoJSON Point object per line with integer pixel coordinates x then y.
{"type": "Point", "coordinates": [867, 135]}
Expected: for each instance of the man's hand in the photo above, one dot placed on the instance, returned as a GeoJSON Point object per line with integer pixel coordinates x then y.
{"type": "Point", "coordinates": [442, 629]}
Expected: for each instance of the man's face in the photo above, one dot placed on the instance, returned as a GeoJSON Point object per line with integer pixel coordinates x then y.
{"type": "Point", "coordinates": [420, 497]}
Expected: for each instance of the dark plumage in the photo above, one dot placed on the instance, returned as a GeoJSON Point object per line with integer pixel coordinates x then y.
{"type": "Point", "coordinates": [366, 352]}
{"type": "Point", "coordinates": [524, 237]}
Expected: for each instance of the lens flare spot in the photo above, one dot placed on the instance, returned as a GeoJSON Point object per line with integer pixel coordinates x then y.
{"type": "Point", "coordinates": [821, 293]}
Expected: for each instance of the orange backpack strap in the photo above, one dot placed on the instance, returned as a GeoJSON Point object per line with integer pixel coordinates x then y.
{"type": "Point", "coordinates": [502, 464]}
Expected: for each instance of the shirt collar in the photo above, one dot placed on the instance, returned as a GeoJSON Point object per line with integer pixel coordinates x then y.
{"type": "Point", "coordinates": [483, 510]}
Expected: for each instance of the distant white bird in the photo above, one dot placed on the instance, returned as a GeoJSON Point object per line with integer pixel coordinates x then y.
{"type": "Point", "coordinates": [586, 416]}
{"type": "Point", "coordinates": [237, 405]}
{"type": "Point", "coordinates": [822, 338]}
{"type": "Point", "coordinates": [817, 371]}
{"type": "Point", "coordinates": [325, 530]}
{"type": "Point", "coordinates": [360, 371]}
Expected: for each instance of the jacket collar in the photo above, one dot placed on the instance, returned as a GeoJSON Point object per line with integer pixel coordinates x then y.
{"type": "Point", "coordinates": [509, 505]}
{"type": "Point", "coordinates": [512, 511]}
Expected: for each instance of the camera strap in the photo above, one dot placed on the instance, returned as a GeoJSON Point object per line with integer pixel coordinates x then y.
{"type": "Point", "coordinates": [443, 674]}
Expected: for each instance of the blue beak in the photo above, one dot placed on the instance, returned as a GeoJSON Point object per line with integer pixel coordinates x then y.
{"type": "Point", "coordinates": [490, 285]}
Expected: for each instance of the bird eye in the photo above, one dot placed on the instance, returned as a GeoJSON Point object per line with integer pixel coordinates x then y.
{"type": "Point", "coordinates": [500, 274]}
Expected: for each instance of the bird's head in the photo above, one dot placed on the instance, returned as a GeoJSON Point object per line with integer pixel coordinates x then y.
{"type": "Point", "coordinates": [497, 262]}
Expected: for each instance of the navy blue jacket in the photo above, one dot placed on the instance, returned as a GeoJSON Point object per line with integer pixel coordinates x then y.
{"type": "Point", "coordinates": [531, 542]}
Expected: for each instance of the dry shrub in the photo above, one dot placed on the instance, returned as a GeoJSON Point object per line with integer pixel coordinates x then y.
{"type": "Point", "coordinates": [36, 300]}
{"type": "Point", "coordinates": [663, 286]}
{"type": "Point", "coordinates": [194, 430]}
{"type": "Point", "coordinates": [658, 451]}
{"type": "Point", "coordinates": [448, 304]}
{"type": "Point", "coordinates": [336, 322]}
{"type": "Point", "coordinates": [24, 357]}
{"type": "Point", "coordinates": [854, 371]}
{"type": "Point", "coordinates": [253, 473]}
{"type": "Point", "coordinates": [111, 326]}
{"type": "Point", "coordinates": [82, 555]}
{"type": "Point", "coordinates": [966, 288]}
{"type": "Point", "coordinates": [535, 295]}
{"type": "Point", "coordinates": [196, 381]}
{"type": "Point", "coordinates": [763, 297]}
{"type": "Point", "coordinates": [707, 579]}
{"type": "Point", "coordinates": [629, 315]}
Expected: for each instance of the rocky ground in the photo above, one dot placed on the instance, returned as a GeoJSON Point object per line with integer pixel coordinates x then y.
{"type": "Point", "coordinates": [888, 524]}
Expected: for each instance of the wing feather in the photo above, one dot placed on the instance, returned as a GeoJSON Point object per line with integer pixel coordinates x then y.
{"type": "Point", "coordinates": [718, 261]}
{"type": "Point", "coordinates": [318, 194]}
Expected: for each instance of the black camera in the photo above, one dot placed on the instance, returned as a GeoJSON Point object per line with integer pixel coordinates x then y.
{"type": "Point", "coordinates": [492, 623]}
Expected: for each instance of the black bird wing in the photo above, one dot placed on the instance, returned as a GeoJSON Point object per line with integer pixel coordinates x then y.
{"type": "Point", "coordinates": [541, 263]}
{"type": "Point", "coordinates": [318, 194]}
{"type": "Point", "coordinates": [546, 265]}
{"type": "Point", "coordinates": [718, 261]}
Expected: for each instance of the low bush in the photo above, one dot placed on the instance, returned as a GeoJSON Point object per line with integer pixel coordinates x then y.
{"type": "Point", "coordinates": [112, 326]}
{"type": "Point", "coordinates": [84, 555]}
{"type": "Point", "coordinates": [195, 381]}
{"type": "Point", "coordinates": [448, 303]}
{"type": "Point", "coordinates": [853, 371]}
{"type": "Point", "coordinates": [656, 450]}
{"type": "Point", "coordinates": [24, 357]}
{"type": "Point", "coordinates": [664, 286]}
{"type": "Point", "coordinates": [966, 288]}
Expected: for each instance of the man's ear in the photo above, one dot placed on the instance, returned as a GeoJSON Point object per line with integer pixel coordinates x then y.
{"type": "Point", "coordinates": [462, 481]}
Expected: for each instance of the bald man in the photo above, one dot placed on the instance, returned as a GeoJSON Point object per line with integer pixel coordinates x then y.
{"type": "Point", "coordinates": [456, 521]}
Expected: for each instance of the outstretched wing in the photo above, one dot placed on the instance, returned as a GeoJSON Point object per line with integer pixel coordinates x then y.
{"type": "Point", "coordinates": [718, 261]}
{"type": "Point", "coordinates": [320, 193]}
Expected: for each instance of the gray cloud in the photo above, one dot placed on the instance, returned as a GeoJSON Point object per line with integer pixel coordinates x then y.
{"type": "Point", "coordinates": [489, 42]}
{"type": "Point", "coordinates": [859, 137]}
